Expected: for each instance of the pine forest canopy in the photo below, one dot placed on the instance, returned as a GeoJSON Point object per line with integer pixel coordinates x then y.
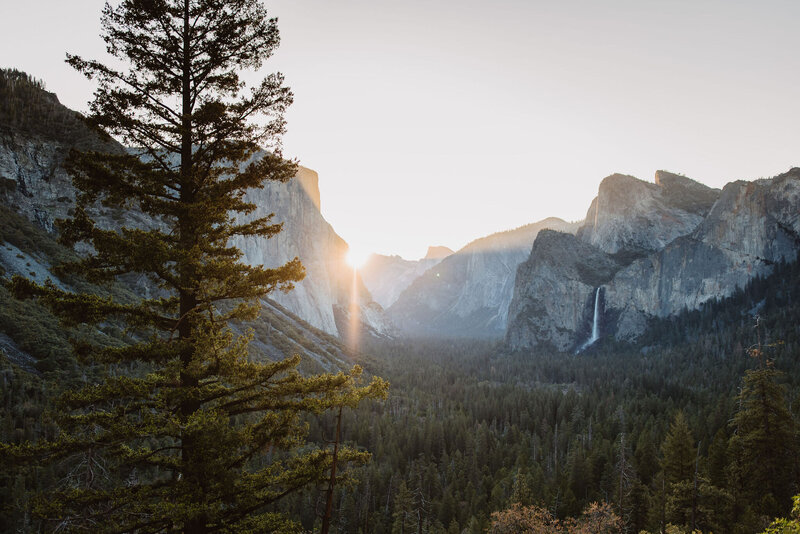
{"type": "Point", "coordinates": [180, 419]}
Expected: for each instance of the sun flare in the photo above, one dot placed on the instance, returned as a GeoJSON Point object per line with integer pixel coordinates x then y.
{"type": "Point", "coordinates": [356, 258]}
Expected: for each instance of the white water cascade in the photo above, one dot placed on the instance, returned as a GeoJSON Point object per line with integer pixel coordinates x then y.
{"type": "Point", "coordinates": [595, 323]}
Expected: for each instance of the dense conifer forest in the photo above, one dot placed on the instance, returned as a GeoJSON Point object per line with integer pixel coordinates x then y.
{"type": "Point", "coordinates": [26, 107]}
{"type": "Point", "coordinates": [666, 430]}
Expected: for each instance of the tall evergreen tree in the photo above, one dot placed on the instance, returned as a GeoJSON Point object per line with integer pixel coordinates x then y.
{"type": "Point", "coordinates": [404, 518]}
{"type": "Point", "coordinates": [195, 435]}
{"type": "Point", "coordinates": [678, 462]}
{"type": "Point", "coordinates": [765, 439]}
{"type": "Point", "coordinates": [678, 451]}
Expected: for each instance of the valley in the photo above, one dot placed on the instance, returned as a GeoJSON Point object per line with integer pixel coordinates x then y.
{"type": "Point", "coordinates": [557, 364]}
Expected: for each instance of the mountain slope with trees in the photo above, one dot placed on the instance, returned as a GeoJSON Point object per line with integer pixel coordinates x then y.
{"type": "Point", "coordinates": [177, 429]}
{"type": "Point", "coordinates": [667, 430]}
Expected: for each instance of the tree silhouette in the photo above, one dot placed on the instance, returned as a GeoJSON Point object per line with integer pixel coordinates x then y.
{"type": "Point", "coordinates": [185, 432]}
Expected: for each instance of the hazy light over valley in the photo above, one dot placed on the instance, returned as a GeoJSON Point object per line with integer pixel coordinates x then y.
{"type": "Point", "coordinates": [435, 123]}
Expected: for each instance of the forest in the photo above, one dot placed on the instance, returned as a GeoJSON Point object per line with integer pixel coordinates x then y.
{"type": "Point", "coordinates": [668, 432]}
{"type": "Point", "coordinates": [128, 413]}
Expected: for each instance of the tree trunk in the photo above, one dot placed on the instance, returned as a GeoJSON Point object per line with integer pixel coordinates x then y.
{"type": "Point", "coordinates": [188, 301]}
{"type": "Point", "coordinates": [326, 520]}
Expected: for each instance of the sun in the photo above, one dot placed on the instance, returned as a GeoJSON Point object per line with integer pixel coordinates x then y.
{"type": "Point", "coordinates": [356, 258]}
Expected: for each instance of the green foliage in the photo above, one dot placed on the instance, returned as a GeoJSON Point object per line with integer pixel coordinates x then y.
{"type": "Point", "coordinates": [31, 239]}
{"type": "Point", "coordinates": [183, 430]}
{"type": "Point", "coordinates": [25, 107]}
{"type": "Point", "coordinates": [678, 451]}
{"type": "Point", "coordinates": [787, 526]}
{"type": "Point", "coordinates": [765, 440]}
{"type": "Point", "coordinates": [404, 519]}
{"type": "Point", "coordinates": [468, 426]}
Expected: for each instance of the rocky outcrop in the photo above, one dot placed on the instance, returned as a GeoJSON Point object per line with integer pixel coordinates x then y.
{"type": "Point", "coordinates": [387, 277]}
{"type": "Point", "coordinates": [554, 295]}
{"type": "Point", "coordinates": [631, 217]}
{"type": "Point", "coordinates": [468, 293]}
{"type": "Point", "coordinates": [33, 180]}
{"type": "Point", "coordinates": [34, 183]}
{"type": "Point", "coordinates": [438, 253]}
{"type": "Point", "coordinates": [711, 250]}
{"type": "Point", "coordinates": [329, 283]}
{"type": "Point", "coordinates": [751, 227]}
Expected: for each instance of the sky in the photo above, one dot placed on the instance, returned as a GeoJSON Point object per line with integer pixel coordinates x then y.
{"type": "Point", "coordinates": [441, 121]}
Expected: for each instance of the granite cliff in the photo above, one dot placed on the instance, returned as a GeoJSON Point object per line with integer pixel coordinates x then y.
{"type": "Point", "coordinates": [330, 284]}
{"type": "Point", "coordinates": [34, 183]}
{"type": "Point", "coordinates": [632, 217]}
{"type": "Point", "coordinates": [468, 293]}
{"type": "Point", "coordinates": [652, 250]}
{"type": "Point", "coordinates": [752, 226]}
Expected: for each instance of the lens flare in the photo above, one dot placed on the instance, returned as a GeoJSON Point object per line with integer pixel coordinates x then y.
{"type": "Point", "coordinates": [356, 258]}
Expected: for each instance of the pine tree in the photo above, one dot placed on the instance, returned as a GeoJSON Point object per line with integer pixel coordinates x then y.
{"type": "Point", "coordinates": [678, 452]}
{"type": "Point", "coordinates": [718, 459]}
{"type": "Point", "coordinates": [404, 518]}
{"type": "Point", "coordinates": [646, 457]}
{"type": "Point", "coordinates": [765, 439]}
{"type": "Point", "coordinates": [625, 478]}
{"type": "Point", "coordinates": [185, 432]}
{"type": "Point", "coordinates": [679, 458]}
{"type": "Point", "coordinates": [520, 490]}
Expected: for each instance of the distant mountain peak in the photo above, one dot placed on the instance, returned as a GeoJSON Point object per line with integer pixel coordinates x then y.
{"type": "Point", "coordinates": [468, 293]}
{"type": "Point", "coordinates": [438, 253]}
{"type": "Point", "coordinates": [655, 249]}
{"type": "Point", "coordinates": [617, 180]}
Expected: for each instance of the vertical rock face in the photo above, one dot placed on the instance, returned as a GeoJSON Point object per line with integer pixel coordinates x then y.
{"type": "Point", "coordinates": [468, 293]}
{"type": "Point", "coordinates": [752, 226]}
{"type": "Point", "coordinates": [387, 277]}
{"type": "Point", "coordinates": [759, 219]}
{"type": "Point", "coordinates": [554, 295]}
{"type": "Point", "coordinates": [660, 248]}
{"type": "Point", "coordinates": [34, 183]}
{"type": "Point", "coordinates": [32, 178]}
{"type": "Point", "coordinates": [329, 281]}
{"type": "Point", "coordinates": [630, 216]}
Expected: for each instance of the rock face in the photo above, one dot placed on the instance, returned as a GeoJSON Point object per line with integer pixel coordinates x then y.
{"type": "Point", "coordinates": [33, 180]}
{"type": "Point", "coordinates": [555, 290]}
{"type": "Point", "coordinates": [632, 217]}
{"type": "Point", "coordinates": [752, 226]}
{"type": "Point", "coordinates": [655, 249]}
{"type": "Point", "coordinates": [387, 277]}
{"type": "Point", "coordinates": [438, 253]}
{"type": "Point", "coordinates": [33, 183]}
{"type": "Point", "coordinates": [329, 281]}
{"type": "Point", "coordinates": [468, 293]}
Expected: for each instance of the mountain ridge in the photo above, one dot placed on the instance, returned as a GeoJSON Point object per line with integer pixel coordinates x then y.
{"type": "Point", "coordinates": [748, 228]}
{"type": "Point", "coordinates": [34, 183]}
{"type": "Point", "coordinates": [468, 293]}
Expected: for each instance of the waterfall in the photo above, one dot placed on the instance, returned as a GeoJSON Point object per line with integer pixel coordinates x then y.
{"type": "Point", "coordinates": [595, 323]}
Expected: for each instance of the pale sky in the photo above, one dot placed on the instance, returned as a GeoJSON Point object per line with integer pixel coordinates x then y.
{"type": "Point", "coordinates": [437, 122]}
